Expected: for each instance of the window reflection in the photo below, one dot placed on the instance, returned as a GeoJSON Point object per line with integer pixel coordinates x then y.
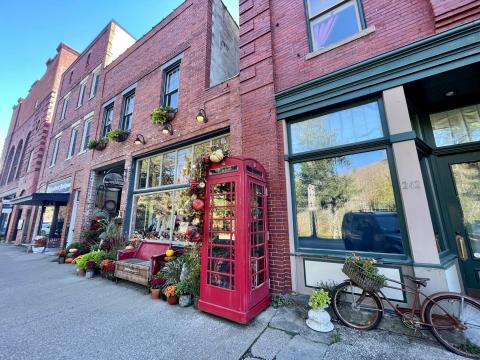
{"type": "Point", "coordinates": [347, 203]}
{"type": "Point", "coordinates": [168, 168]}
{"type": "Point", "coordinates": [360, 123]}
{"type": "Point", "coordinates": [153, 215]}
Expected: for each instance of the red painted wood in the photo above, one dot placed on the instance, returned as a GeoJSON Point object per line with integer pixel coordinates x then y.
{"type": "Point", "coordinates": [234, 281]}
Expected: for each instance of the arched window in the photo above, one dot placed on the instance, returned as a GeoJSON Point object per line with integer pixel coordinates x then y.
{"type": "Point", "coordinates": [22, 166]}
{"type": "Point", "coordinates": [16, 159]}
{"type": "Point", "coordinates": [7, 166]}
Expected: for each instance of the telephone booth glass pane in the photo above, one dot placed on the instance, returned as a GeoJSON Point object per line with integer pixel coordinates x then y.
{"type": "Point", "coordinates": [257, 235]}
{"type": "Point", "coordinates": [221, 236]}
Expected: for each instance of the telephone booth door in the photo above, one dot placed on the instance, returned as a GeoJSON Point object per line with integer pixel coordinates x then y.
{"type": "Point", "coordinates": [234, 276]}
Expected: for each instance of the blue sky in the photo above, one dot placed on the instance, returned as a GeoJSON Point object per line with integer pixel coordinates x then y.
{"type": "Point", "coordinates": [31, 30]}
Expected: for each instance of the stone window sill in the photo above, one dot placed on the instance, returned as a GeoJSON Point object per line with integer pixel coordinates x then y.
{"type": "Point", "coordinates": [359, 35]}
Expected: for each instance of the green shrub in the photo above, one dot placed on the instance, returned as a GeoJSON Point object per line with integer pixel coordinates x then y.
{"type": "Point", "coordinates": [117, 135]}
{"type": "Point", "coordinates": [162, 115]}
{"type": "Point", "coordinates": [183, 288]}
{"type": "Point", "coordinates": [319, 299]}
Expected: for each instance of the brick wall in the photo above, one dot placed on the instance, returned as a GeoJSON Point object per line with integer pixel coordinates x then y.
{"type": "Point", "coordinates": [31, 119]}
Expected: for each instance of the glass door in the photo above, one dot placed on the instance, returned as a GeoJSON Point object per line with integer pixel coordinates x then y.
{"type": "Point", "coordinates": [460, 175]}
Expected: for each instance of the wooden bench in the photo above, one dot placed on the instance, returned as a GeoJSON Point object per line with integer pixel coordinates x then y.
{"type": "Point", "coordinates": [140, 264]}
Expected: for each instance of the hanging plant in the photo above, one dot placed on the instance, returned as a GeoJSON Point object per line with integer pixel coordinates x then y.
{"type": "Point", "coordinates": [162, 115]}
{"type": "Point", "coordinates": [117, 135]}
{"type": "Point", "coordinates": [99, 144]}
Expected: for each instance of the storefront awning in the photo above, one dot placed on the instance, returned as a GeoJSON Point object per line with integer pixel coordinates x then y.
{"type": "Point", "coordinates": [42, 199]}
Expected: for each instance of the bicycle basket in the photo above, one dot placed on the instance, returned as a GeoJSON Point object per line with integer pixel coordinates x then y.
{"type": "Point", "coordinates": [359, 277]}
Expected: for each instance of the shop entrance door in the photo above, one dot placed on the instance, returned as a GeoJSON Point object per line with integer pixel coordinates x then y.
{"type": "Point", "coordinates": [73, 217]}
{"type": "Point", "coordinates": [460, 184]}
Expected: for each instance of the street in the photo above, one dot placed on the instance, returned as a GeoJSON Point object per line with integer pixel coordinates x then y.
{"type": "Point", "coordinates": [50, 313]}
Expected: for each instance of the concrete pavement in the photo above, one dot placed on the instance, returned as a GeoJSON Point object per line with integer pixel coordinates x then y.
{"type": "Point", "coordinates": [47, 312]}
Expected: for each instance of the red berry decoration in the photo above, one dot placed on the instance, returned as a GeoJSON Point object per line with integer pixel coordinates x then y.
{"type": "Point", "coordinates": [198, 204]}
{"type": "Point", "coordinates": [190, 231]}
{"type": "Point", "coordinates": [206, 159]}
{"type": "Point", "coordinates": [197, 237]}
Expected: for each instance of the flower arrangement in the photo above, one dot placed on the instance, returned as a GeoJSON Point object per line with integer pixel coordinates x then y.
{"type": "Point", "coordinates": [319, 299]}
{"type": "Point", "coordinates": [364, 272]}
{"type": "Point", "coordinates": [117, 135]}
{"type": "Point", "coordinates": [90, 265]}
{"type": "Point", "coordinates": [157, 282]}
{"type": "Point", "coordinates": [170, 291]}
{"type": "Point", "coordinates": [162, 115]}
{"type": "Point", "coordinates": [110, 267]}
{"type": "Point", "coordinates": [97, 144]}
{"type": "Point", "coordinates": [104, 263]}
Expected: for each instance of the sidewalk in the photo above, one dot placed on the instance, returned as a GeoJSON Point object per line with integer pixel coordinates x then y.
{"type": "Point", "coordinates": [50, 313]}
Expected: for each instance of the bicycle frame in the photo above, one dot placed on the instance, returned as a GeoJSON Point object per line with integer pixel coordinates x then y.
{"type": "Point", "coordinates": [417, 292]}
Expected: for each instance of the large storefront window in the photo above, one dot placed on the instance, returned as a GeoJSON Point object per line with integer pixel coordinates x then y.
{"type": "Point", "coordinates": [162, 191]}
{"type": "Point", "coordinates": [344, 201]}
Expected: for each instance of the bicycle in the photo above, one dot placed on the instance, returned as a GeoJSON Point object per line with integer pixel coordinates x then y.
{"type": "Point", "coordinates": [453, 318]}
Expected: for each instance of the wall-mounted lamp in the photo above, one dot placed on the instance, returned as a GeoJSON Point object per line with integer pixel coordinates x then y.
{"type": "Point", "coordinates": [167, 129]}
{"type": "Point", "coordinates": [140, 140]}
{"type": "Point", "coordinates": [202, 116]}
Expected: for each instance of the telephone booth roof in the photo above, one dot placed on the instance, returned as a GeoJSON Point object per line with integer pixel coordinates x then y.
{"type": "Point", "coordinates": [252, 166]}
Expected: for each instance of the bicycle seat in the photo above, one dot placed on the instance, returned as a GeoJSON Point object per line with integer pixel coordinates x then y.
{"type": "Point", "coordinates": [416, 280]}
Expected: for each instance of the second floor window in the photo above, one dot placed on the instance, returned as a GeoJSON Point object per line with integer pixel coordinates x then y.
{"type": "Point", "coordinates": [107, 119]}
{"type": "Point", "coordinates": [128, 107]}
{"type": "Point", "coordinates": [95, 80]}
{"type": "Point", "coordinates": [332, 21]}
{"type": "Point", "coordinates": [81, 94]}
{"type": "Point", "coordinates": [73, 142]}
{"type": "Point", "coordinates": [56, 145]}
{"type": "Point", "coordinates": [64, 107]}
{"type": "Point", "coordinates": [87, 129]}
{"type": "Point", "coordinates": [171, 86]}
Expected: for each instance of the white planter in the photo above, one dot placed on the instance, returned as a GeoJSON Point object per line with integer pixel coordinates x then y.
{"type": "Point", "coordinates": [319, 320]}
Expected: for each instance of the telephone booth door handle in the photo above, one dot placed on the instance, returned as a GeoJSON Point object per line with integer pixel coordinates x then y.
{"type": "Point", "coordinates": [462, 247]}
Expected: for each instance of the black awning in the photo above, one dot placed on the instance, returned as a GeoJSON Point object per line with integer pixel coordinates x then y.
{"type": "Point", "coordinates": [42, 199]}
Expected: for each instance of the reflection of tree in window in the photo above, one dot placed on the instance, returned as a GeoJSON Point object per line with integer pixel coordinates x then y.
{"type": "Point", "coordinates": [168, 168]}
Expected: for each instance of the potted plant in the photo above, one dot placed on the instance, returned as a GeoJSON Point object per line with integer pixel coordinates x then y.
{"type": "Point", "coordinates": [318, 318]}
{"type": "Point", "coordinates": [171, 294]}
{"type": "Point", "coordinates": [62, 254]}
{"type": "Point", "coordinates": [90, 271]}
{"type": "Point", "coordinates": [183, 291]}
{"type": "Point", "coordinates": [162, 115]}
{"type": "Point", "coordinates": [99, 144]}
{"type": "Point", "coordinates": [155, 286]}
{"type": "Point", "coordinates": [117, 135]}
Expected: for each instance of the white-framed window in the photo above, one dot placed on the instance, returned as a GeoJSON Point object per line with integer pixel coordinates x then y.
{"type": "Point", "coordinates": [87, 129]}
{"type": "Point", "coordinates": [73, 140]}
{"type": "Point", "coordinates": [81, 94]}
{"type": "Point", "coordinates": [66, 99]}
{"type": "Point", "coordinates": [95, 81]}
{"type": "Point", "coordinates": [171, 86]}
{"type": "Point", "coordinates": [161, 190]}
{"type": "Point", "coordinates": [127, 111]}
{"type": "Point", "coordinates": [332, 21]}
{"type": "Point", "coordinates": [56, 145]}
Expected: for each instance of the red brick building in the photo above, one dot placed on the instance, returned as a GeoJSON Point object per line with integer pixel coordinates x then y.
{"type": "Point", "coordinates": [364, 113]}
{"type": "Point", "coordinates": [25, 145]}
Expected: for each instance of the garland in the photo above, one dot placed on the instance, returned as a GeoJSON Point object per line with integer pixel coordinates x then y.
{"type": "Point", "coordinates": [195, 206]}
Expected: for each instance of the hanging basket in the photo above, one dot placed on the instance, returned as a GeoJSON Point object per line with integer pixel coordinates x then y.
{"type": "Point", "coordinates": [370, 283]}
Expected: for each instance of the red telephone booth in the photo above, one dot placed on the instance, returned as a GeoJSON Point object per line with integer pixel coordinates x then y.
{"type": "Point", "coordinates": [235, 279]}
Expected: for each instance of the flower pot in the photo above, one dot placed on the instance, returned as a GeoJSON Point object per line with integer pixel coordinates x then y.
{"type": "Point", "coordinates": [123, 137]}
{"type": "Point", "coordinates": [61, 259]}
{"type": "Point", "coordinates": [101, 146]}
{"type": "Point", "coordinates": [319, 320]}
{"type": "Point", "coordinates": [155, 294]}
{"type": "Point", "coordinates": [90, 273]}
{"type": "Point", "coordinates": [185, 300]}
{"type": "Point", "coordinates": [172, 300]}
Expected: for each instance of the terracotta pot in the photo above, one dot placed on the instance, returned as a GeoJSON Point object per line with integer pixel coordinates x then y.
{"type": "Point", "coordinates": [172, 300]}
{"type": "Point", "coordinates": [155, 294]}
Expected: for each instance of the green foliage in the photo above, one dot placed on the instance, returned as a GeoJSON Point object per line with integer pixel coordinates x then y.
{"type": "Point", "coordinates": [96, 256]}
{"type": "Point", "coordinates": [183, 288]}
{"type": "Point", "coordinates": [162, 115]}
{"type": "Point", "coordinates": [319, 299]}
{"type": "Point", "coordinates": [328, 286]}
{"type": "Point", "coordinates": [367, 267]}
{"type": "Point", "coordinates": [336, 337]}
{"type": "Point", "coordinates": [192, 261]}
{"type": "Point", "coordinates": [94, 143]}
{"type": "Point", "coordinates": [279, 300]}
{"type": "Point", "coordinates": [172, 270]}
{"type": "Point", "coordinates": [117, 135]}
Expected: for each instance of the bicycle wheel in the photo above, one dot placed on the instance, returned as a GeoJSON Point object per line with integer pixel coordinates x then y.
{"type": "Point", "coordinates": [455, 322]}
{"type": "Point", "coordinates": [355, 307]}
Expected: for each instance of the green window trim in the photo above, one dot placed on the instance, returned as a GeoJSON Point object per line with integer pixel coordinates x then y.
{"type": "Point", "coordinates": [372, 145]}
